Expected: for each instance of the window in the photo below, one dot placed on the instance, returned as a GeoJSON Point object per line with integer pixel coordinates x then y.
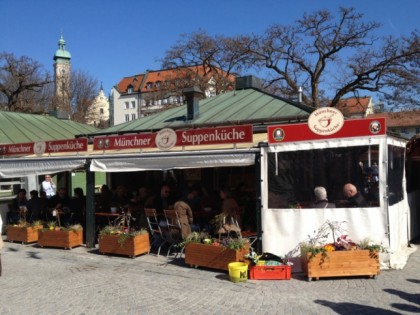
{"type": "Point", "coordinates": [130, 89]}
{"type": "Point", "coordinates": [127, 117]}
{"type": "Point", "coordinates": [127, 105]}
{"type": "Point", "coordinates": [133, 116]}
{"type": "Point", "coordinates": [396, 160]}
{"type": "Point", "coordinates": [133, 104]}
{"type": "Point", "coordinates": [417, 129]}
{"type": "Point", "coordinates": [149, 85]}
{"type": "Point", "coordinates": [292, 176]}
{"type": "Point", "coordinates": [101, 110]}
{"type": "Point", "coordinates": [403, 130]}
{"type": "Point", "coordinates": [9, 187]}
{"type": "Point", "coordinates": [158, 84]}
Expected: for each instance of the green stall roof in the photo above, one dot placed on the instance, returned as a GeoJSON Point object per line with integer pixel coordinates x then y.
{"type": "Point", "coordinates": [248, 106]}
{"type": "Point", "coordinates": [23, 128]}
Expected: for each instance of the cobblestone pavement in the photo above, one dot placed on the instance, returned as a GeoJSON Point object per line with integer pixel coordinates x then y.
{"type": "Point", "coordinates": [81, 281]}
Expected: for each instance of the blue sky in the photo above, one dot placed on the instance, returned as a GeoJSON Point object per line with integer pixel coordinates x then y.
{"type": "Point", "coordinates": [112, 39]}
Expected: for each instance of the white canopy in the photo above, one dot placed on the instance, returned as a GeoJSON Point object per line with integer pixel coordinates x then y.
{"type": "Point", "coordinates": [38, 166]}
{"type": "Point", "coordinates": [178, 160]}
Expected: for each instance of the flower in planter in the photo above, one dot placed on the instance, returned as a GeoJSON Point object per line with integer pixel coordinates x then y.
{"type": "Point", "coordinates": [316, 244]}
{"type": "Point", "coordinates": [123, 234]}
{"type": "Point", "coordinates": [205, 238]}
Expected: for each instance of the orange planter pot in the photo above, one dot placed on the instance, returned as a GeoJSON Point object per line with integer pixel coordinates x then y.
{"type": "Point", "coordinates": [341, 264]}
{"type": "Point", "coordinates": [216, 257]}
{"type": "Point", "coordinates": [131, 247]}
{"type": "Point", "coordinates": [23, 234]}
{"type": "Point", "coordinates": [62, 239]}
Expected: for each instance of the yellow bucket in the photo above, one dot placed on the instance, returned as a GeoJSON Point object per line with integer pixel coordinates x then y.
{"type": "Point", "coordinates": [238, 271]}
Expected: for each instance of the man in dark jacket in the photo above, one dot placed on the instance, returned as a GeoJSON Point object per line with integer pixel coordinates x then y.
{"type": "Point", "coordinates": [354, 197]}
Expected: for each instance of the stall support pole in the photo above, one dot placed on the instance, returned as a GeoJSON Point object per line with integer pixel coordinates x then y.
{"type": "Point", "coordinates": [258, 205]}
{"type": "Point", "coordinates": [90, 207]}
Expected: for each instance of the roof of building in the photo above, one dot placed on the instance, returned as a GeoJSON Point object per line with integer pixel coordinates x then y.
{"type": "Point", "coordinates": [353, 105]}
{"type": "Point", "coordinates": [135, 81]}
{"type": "Point", "coordinates": [61, 52]}
{"type": "Point", "coordinates": [247, 106]}
{"type": "Point", "coordinates": [400, 119]}
{"type": "Point", "coordinates": [139, 82]}
{"type": "Point", "coordinates": [23, 128]}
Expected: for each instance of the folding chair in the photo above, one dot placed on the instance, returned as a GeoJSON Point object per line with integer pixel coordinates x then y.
{"type": "Point", "coordinates": [155, 228]}
{"type": "Point", "coordinates": [172, 232]}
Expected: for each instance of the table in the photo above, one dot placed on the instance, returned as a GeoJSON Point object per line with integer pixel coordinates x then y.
{"type": "Point", "coordinates": [108, 215]}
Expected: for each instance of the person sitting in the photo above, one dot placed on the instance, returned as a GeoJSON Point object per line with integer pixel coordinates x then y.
{"type": "Point", "coordinates": [354, 197]}
{"type": "Point", "coordinates": [36, 206]}
{"type": "Point", "coordinates": [59, 205]}
{"type": "Point", "coordinates": [48, 186]}
{"type": "Point", "coordinates": [121, 198]}
{"type": "Point", "coordinates": [161, 201]}
{"type": "Point", "coordinates": [321, 200]}
{"type": "Point", "coordinates": [78, 206]}
{"type": "Point", "coordinates": [19, 204]}
{"type": "Point", "coordinates": [229, 217]}
{"type": "Point", "coordinates": [105, 199]}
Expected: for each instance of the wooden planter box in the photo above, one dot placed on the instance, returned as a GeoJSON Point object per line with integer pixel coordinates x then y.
{"type": "Point", "coordinates": [216, 257]}
{"type": "Point", "coordinates": [341, 264]}
{"type": "Point", "coordinates": [132, 246]}
{"type": "Point", "coordinates": [23, 234]}
{"type": "Point", "coordinates": [62, 239]}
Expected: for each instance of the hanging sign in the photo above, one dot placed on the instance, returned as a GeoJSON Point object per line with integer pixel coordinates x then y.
{"type": "Point", "coordinates": [41, 147]}
{"type": "Point", "coordinates": [326, 130]}
{"type": "Point", "coordinates": [167, 138]}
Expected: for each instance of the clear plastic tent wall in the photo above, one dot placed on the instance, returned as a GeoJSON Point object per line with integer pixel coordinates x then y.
{"type": "Point", "coordinates": [291, 170]}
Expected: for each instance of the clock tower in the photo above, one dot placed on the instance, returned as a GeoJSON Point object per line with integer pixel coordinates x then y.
{"type": "Point", "coordinates": [62, 76]}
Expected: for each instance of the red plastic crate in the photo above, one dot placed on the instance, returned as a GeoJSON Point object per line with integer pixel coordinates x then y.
{"type": "Point", "coordinates": [270, 272]}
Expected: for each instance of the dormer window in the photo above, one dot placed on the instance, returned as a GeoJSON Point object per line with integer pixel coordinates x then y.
{"type": "Point", "coordinates": [130, 89]}
{"type": "Point", "coordinates": [149, 85]}
{"type": "Point", "coordinates": [158, 84]}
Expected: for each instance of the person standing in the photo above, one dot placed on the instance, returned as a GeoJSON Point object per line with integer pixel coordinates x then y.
{"type": "Point", "coordinates": [48, 186]}
{"type": "Point", "coordinates": [1, 240]}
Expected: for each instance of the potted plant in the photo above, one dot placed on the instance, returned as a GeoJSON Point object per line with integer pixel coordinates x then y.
{"type": "Point", "coordinates": [121, 239]}
{"type": "Point", "coordinates": [63, 237]}
{"type": "Point", "coordinates": [341, 258]}
{"type": "Point", "coordinates": [24, 232]}
{"type": "Point", "coordinates": [203, 250]}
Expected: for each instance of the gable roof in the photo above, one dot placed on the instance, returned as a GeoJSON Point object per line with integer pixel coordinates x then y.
{"type": "Point", "coordinates": [400, 119]}
{"type": "Point", "coordinates": [135, 81]}
{"type": "Point", "coordinates": [24, 128]}
{"type": "Point", "coordinates": [354, 105]}
{"type": "Point", "coordinates": [139, 82]}
{"type": "Point", "coordinates": [247, 106]}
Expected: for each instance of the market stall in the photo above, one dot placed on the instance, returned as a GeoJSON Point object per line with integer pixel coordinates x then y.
{"type": "Point", "coordinates": [329, 151]}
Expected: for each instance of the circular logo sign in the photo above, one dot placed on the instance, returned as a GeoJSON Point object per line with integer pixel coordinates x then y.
{"type": "Point", "coordinates": [39, 147]}
{"type": "Point", "coordinates": [326, 121]}
{"type": "Point", "coordinates": [375, 127]}
{"type": "Point", "coordinates": [166, 139]}
{"type": "Point", "coordinates": [278, 134]}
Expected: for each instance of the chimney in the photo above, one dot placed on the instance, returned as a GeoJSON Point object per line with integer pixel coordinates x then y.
{"type": "Point", "coordinates": [300, 91]}
{"type": "Point", "coordinates": [247, 82]}
{"type": "Point", "coordinates": [192, 96]}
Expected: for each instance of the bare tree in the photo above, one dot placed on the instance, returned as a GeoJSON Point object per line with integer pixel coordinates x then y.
{"type": "Point", "coordinates": [215, 65]}
{"type": "Point", "coordinates": [335, 56]}
{"type": "Point", "coordinates": [23, 83]}
{"type": "Point", "coordinates": [83, 89]}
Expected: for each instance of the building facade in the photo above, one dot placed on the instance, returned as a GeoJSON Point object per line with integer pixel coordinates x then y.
{"type": "Point", "coordinates": [356, 107]}
{"type": "Point", "coordinates": [98, 113]}
{"type": "Point", "coordinates": [156, 90]}
{"type": "Point", "coordinates": [62, 74]}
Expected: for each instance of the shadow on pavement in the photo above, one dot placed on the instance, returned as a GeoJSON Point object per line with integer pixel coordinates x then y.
{"type": "Point", "coordinates": [353, 308]}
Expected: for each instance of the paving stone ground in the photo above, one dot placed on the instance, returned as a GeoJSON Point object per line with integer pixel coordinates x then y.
{"type": "Point", "coordinates": [81, 281]}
